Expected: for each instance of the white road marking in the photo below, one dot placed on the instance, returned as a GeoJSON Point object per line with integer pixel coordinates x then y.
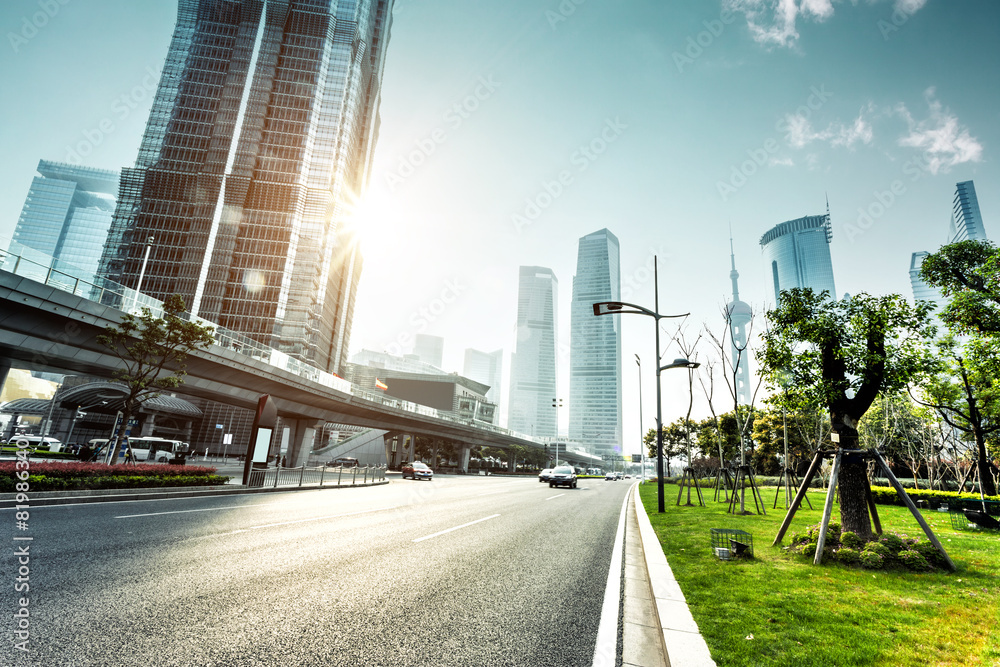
{"type": "Point", "coordinates": [606, 649]}
{"type": "Point", "coordinates": [556, 496]}
{"type": "Point", "coordinates": [205, 509]}
{"type": "Point", "coordinates": [464, 525]}
{"type": "Point", "coordinates": [289, 523]}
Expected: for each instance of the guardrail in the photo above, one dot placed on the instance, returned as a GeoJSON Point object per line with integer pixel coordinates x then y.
{"type": "Point", "coordinates": [318, 476]}
{"type": "Point", "coordinates": [26, 262]}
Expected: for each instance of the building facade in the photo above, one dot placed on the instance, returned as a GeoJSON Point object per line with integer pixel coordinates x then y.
{"type": "Point", "coordinates": [595, 376]}
{"type": "Point", "coordinates": [797, 254]}
{"type": "Point", "coordinates": [966, 220]}
{"type": "Point", "coordinates": [487, 368]}
{"type": "Point", "coordinates": [259, 141]}
{"type": "Point", "coordinates": [67, 214]}
{"type": "Point", "coordinates": [429, 349]}
{"type": "Point", "coordinates": [533, 363]}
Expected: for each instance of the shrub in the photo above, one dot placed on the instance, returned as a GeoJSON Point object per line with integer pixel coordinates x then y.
{"type": "Point", "coordinates": [799, 538]}
{"type": "Point", "coordinates": [852, 541]}
{"type": "Point", "coordinates": [848, 555]}
{"type": "Point", "coordinates": [871, 560]}
{"type": "Point", "coordinates": [832, 533]}
{"type": "Point", "coordinates": [913, 560]}
{"type": "Point", "coordinates": [878, 549]}
{"type": "Point", "coordinates": [894, 543]}
{"type": "Point", "coordinates": [808, 549]}
{"type": "Point", "coordinates": [930, 554]}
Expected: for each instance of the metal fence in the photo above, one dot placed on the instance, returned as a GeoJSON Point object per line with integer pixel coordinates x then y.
{"type": "Point", "coordinates": [318, 476]}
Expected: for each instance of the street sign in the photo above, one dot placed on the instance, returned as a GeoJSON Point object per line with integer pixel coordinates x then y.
{"type": "Point", "coordinates": [637, 458]}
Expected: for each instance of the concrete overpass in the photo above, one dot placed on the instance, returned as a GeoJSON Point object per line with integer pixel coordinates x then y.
{"type": "Point", "coordinates": [49, 320]}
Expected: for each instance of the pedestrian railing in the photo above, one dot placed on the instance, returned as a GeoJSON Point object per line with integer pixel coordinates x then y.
{"type": "Point", "coordinates": [319, 476]}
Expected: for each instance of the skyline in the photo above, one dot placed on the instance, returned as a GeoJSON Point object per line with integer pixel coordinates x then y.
{"type": "Point", "coordinates": [662, 124]}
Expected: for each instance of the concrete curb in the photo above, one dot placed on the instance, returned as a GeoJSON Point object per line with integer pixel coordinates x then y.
{"type": "Point", "coordinates": [682, 641]}
{"type": "Point", "coordinates": [40, 498]}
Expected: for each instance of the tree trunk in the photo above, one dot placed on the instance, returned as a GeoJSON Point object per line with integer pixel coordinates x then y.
{"type": "Point", "coordinates": [853, 486]}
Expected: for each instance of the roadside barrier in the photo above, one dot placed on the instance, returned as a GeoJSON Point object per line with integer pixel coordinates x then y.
{"type": "Point", "coordinates": [318, 476]}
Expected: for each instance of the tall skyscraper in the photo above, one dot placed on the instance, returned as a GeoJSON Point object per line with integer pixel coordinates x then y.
{"type": "Point", "coordinates": [595, 376]}
{"type": "Point", "coordinates": [739, 315]}
{"type": "Point", "coordinates": [966, 220]}
{"type": "Point", "coordinates": [429, 349]}
{"type": "Point", "coordinates": [260, 138]}
{"type": "Point", "coordinates": [797, 254]}
{"type": "Point", "coordinates": [485, 367]}
{"type": "Point", "coordinates": [533, 362]}
{"type": "Point", "coordinates": [67, 214]}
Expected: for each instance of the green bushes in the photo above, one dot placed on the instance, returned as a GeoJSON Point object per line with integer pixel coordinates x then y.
{"type": "Point", "coordinates": [885, 495]}
{"type": "Point", "coordinates": [80, 476]}
{"type": "Point", "coordinates": [887, 550]}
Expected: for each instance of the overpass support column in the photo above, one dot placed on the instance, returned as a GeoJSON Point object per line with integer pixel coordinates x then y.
{"type": "Point", "coordinates": [303, 432]}
{"type": "Point", "coordinates": [464, 452]}
{"type": "Point", "coordinates": [511, 461]}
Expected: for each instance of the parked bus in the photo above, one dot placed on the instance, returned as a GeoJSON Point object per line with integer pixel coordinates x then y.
{"type": "Point", "coordinates": [147, 449]}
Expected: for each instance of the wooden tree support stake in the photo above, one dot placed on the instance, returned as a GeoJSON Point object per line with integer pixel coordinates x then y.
{"type": "Point", "coordinates": [913, 509]}
{"type": "Point", "coordinates": [813, 468]}
{"type": "Point", "coordinates": [827, 510]}
{"type": "Point", "coordinates": [689, 480]}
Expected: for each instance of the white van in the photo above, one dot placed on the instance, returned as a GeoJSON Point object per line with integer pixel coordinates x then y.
{"type": "Point", "coordinates": [37, 442]}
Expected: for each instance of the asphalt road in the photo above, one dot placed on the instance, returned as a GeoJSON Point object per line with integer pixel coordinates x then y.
{"type": "Point", "coordinates": [458, 571]}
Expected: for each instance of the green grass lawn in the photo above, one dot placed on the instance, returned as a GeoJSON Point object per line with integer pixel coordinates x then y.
{"type": "Point", "coordinates": [831, 615]}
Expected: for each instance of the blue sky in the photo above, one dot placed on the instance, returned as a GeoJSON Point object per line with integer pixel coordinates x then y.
{"type": "Point", "coordinates": [512, 128]}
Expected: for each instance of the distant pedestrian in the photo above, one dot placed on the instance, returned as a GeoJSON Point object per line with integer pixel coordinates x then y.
{"type": "Point", "coordinates": [282, 461]}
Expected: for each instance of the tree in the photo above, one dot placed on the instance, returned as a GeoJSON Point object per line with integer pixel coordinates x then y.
{"type": "Point", "coordinates": [152, 351]}
{"type": "Point", "coordinates": [842, 354]}
{"type": "Point", "coordinates": [968, 273]}
{"type": "Point", "coordinates": [674, 441]}
{"type": "Point", "coordinates": [769, 434]}
{"type": "Point", "coordinates": [966, 395]}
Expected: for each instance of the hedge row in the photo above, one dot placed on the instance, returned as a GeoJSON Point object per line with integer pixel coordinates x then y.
{"type": "Point", "coordinates": [79, 469]}
{"type": "Point", "coordinates": [886, 495]}
{"type": "Point", "coordinates": [46, 483]}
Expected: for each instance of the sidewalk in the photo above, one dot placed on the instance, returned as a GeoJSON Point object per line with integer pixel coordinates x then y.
{"type": "Point", "coordinates": [659, 629]}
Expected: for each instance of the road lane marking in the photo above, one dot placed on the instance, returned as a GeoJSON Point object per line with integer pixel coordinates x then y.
{"type": "Point", "coordinates": [205, 509]}
{"type": "Point", "coordinates": [289, 523]}
{"type": "Point", "coordinates": [606, 648]}
{"type": "Point", "coordinates": [464, 525]}
{"type": "Point", "coordinates": [556, 496]}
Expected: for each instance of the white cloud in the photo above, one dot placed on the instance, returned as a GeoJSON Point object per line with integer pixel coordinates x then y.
{"type": "Point", "coordinates": [799, 131]}
{"type": "Point", "coordinates": [781, 162]}
{"type": "Point", "coordinates": [944, 141]}
{"type": "Point", "coordinates": [773, 22]}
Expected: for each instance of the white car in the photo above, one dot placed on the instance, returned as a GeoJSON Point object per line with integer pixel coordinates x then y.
{"type": "Point", "coordinates": [37, 442]}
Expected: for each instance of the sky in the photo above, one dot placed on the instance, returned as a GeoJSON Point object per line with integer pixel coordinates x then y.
{"type": "Point", "coordinates": [511, 128]}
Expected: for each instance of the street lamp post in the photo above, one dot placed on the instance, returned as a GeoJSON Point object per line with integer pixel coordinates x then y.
{"type": "Point", "coordinates": [642, 441]}
{"type": "Point", "coordinates": [142, 271]}
{"type": "Point", "coordinates": [619, 307]}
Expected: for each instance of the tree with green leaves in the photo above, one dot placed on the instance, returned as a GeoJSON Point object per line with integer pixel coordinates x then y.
{"type": "Point", "coordinates": [152, 351]}
{"type": "Point", "coordinates": [843, 354]}
{"type": "Point", "coordinates": [966, 394]}
{"type": "Point", "coordinates": [675, 439]}
{"type": "Point", "coordinates": [968, 273]}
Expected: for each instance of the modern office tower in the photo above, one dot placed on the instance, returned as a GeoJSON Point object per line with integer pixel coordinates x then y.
{"type": "Point", "coordinates": [738, 317]}
{"type": "Point", "coordinates": [966, 220]}
{"type": "Point", "coordinates": [429, 349]}
{"type": "Point", "coordinates": [533, 362]}
{"type": "Point", "coordinates": [595, 375]}
{"type": "Point", "coordinates": [797, 254]}
{"type": "Point", "coordinates": [485, 367]}
{"type": "Point", "coordinates": [260, 139]}
{"type": "Point", "coordinates": [67, 214]}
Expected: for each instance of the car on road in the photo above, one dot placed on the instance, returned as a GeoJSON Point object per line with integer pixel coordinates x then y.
{"type": "Point", "coordinates": [345, 461]}
{"type": "Point", "coordinates": [610, 477]}
{"type": "Point", "coordinates": [37, 442]}
{"type": "Point", "coordinates": [417, 470]}
{"type": "Point", "coordinates": [563, 476]}
{"type": "Point", "coordinates": [544, 475]}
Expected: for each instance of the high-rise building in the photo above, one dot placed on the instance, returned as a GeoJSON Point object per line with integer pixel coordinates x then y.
{"type": "Point", "coordinates": [429, 349]}
{"type": "Point", "coordinates": [485, 367]}
{"type": "Point", "coordinates": [966, 220]}
{"type": "Point", "coordinates": [533, 363]}
{"type": "Point", "coordinates": [738, 316]}
{"type": "Point", "coordinates": [595, 376]}
{"type": "Point", "coordinates": [259, 141]}
{"type": "Point", "coordinates": [67, 214]}
{"type": "Point", "coordinates": [797, 254]}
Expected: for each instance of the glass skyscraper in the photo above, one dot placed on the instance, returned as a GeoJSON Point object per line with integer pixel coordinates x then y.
{"type": "Point", "coordinates": [797, 254]}
{"type": "Point", "coordinates": [67, 214]}
{"type": "Point", "coordinates": [259, 140]}
{"type": "Point", "coordinates": [595, 376]}
{"type": "Point", "coordinates": [485, 367]}
{"type": "Point", "coordinates": [533, 362]}
{"type": "Point", "coordinates": [966, 220]}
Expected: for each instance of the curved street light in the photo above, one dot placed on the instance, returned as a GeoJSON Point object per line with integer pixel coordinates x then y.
{"type": "Point", "coordinates": [622, 308]}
